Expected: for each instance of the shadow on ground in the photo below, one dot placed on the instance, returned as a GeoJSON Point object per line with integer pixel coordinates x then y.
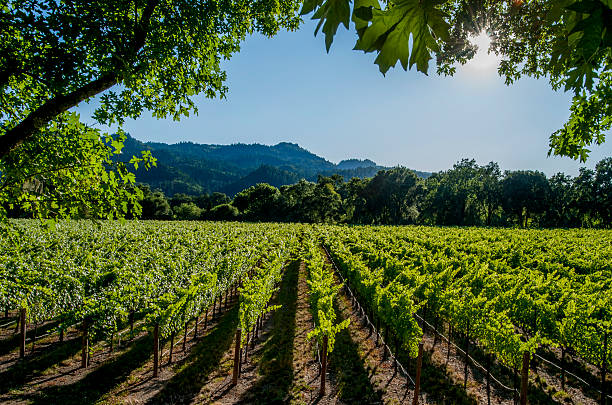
{"type": "Point", "coordinates": [193, 373]}
{"type": "Point", "coordinates": [276, 364]}
{"type": "Point", "coordinates": [93, 386]}
{"type": "Point", "coordinates": [32, 367]}
{"type": "Point", "coordinates": [11, 343]}
{"type": "Point", "coordinates": [348, 370]}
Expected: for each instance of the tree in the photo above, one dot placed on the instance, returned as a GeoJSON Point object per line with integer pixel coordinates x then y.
{"type": "Point", "coordinates": [583, 196]}
{"type": "Point", "coordinates": [187, 211]}
{"type": "Point", "coordinates": [489, 192]}
{"type": "Point", "coordinates": [566, 41]}
{"type": "Point", "coordinates": [56, 55]}
{"type": "Point", "coordinates": [391, 196]}
{"type": "Point", "coordinates": [354, 202]}
{"type": "Point", "coordinates": [524, 193]}
{"type": "Point", "coordinates": [136, 54]}
{"type": "Point", "coordinates": [154, 204]}
{"type": "Point", "coordinates": [258, 202]}
{"type": "Point", "coordinates": [559, 210]}
{"type": "Point", "coordinates": [603, 190]}
{"type": "Point", "coordinates": [69, 170]}
{"type": "Point", "coordinates": [181, 198]}
{"type": "Point", "coordinates": [294, 202]}
{"type": "Point", "coordinates": [325, 204]}
{"type": "Point", "coordinates": [455, 194]}
{"type": "Point", "coordinates": [223, 212]}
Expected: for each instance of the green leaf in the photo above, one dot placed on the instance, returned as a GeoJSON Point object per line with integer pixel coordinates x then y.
{"type": "Point", "coordinates": [363, 13]}
{"type": "Point", "coordinates": [586, 6]}
{"type": "Point", "coordinates": [590, 41]}
{"type": "Point", "coordinates": [392, 30]}
{"type": "Point", "coordinates": [331, 14]}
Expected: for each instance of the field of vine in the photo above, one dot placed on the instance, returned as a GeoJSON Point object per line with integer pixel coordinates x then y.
{"type": "Point", "coordinates": [527, 313]}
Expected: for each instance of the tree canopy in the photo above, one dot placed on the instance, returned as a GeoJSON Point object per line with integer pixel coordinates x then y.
{"type": "Point", "coordinates": [137, 54]}
{"type": "Point", "coordinates": [162, 54]}
{"type": "Point", "coordinates": [149, 55]}
{"type": "Point", "coordinates": [567, 41]}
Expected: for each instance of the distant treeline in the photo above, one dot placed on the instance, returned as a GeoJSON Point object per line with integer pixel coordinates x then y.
{"type": "Point", "coordinates": [466, 195]}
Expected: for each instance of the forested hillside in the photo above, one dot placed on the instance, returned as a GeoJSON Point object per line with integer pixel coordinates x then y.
{"type": "Point", "coordinates": [192, 168]}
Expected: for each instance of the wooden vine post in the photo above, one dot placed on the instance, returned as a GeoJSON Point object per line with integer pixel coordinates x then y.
{"type": "Point", "coordinates": [131, 319]}
{"type": "Point", "coordinates": [171, 348]}
{"type": "Point", "coordinates": [85, 345]}
{"type": "Point", "coordinates": [22, 336]}
{"type": "Point", "coordinates": [603, 369]}
{"type": "Point", "coordinates": [34, 337]}
{"type": "Point", "coordinates": [323, 366]}
{"type": "Point", "coordinates": [562, 367]}
{"type": "Point", "coordinates": [417, 381]}
{"type": "Point", "coordinates": [524, 378]}
{"type": "Point", "coordinates": [467, 356]}
{"type": "Point", "coordinates": [185, 335]}
{"type": "Point", "coordinates": [112, 342]}
{"type": "Point", "coordinates": [488, 379]}
{"type": "Point", "coordinates": [448, 349]}
{"type": "Point", "coordinates": [237, 352]}
{"type": "Point", "coordinates": [385, 343]}
{"type": "Point", "coordinates": [156, 350]}
{"type": "Point", "coordinates": [246, 346]}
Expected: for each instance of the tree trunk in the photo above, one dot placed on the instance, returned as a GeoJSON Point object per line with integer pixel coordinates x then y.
{"type": "Point", "coordinates": [40, 117]}
{"type": "Point", "coordinates": [417, 381]}
{"type": "Point", "coordinates": [237, 352]}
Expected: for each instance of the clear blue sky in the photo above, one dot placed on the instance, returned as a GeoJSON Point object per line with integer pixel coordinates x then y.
{"type": "Point", "coordinates": [339, 106]}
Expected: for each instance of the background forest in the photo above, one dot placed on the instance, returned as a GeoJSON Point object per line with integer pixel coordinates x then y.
{"type": "Point", "coordinates": [467, 194]}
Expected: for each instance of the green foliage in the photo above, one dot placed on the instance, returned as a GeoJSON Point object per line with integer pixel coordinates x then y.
{"type": "Point", "coordinates": [407, 31]}
{"type": "Point", "coordinates": [166, 272]}
{"type": "Point", "coordinates": [525, 193]}
{"type": "Point", "coordinates": [223, 212]}
{"type": "Point", "coordinates": [55, 55]}
{"type": "Point", "coordinates": [69, 171]}
{"type": "Point", "coordinates": [257, 202]}
{"type": "Point", "coordinates": [187, 211]}
{"type": "Point", "coordinates": [567, 41]}
{"type": "Point", "coordinates": [154, 204]}
{"type": "Point", "coordinates": [162, 53]}
{"type": "Point", "coordinates": [257, 290]}
{"type": "Point", "coordinates": [391, 196]}
{"type": "Point", "coordinates": [510, 290]}
{"type": "Point", "coordinates": [323, 291]}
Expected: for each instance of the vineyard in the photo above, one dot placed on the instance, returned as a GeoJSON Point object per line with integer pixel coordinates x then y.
{"type": "Point", "coordinates": [205, 312]}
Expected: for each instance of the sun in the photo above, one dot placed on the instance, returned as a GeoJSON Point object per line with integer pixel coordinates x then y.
{"type": "Point", "coordinates": [483, 60]}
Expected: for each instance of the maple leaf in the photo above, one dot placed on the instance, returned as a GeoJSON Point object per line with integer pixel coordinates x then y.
{"type": "Point", "coordinates": [406, 31]}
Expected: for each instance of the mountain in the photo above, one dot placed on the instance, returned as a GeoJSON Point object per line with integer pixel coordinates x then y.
{"type": "Point", "coordinates": [349, 164]}
{"type": "Point", "coordinates": [193, 168]}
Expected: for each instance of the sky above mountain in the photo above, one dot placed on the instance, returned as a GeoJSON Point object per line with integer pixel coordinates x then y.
{"type": "Point", "coordinates": [339, 106]}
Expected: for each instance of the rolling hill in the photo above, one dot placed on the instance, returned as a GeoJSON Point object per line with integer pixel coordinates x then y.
{"type": "Point", "coordinates": [192, 168]}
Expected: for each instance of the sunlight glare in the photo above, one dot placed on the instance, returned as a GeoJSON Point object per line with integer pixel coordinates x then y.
{"type": "Point", "coordinates": [483, 60]}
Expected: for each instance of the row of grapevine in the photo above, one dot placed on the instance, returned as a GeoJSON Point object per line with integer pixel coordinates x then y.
{"type": "Point", "coordinates": [102, 276]}
{"type": "Point", "coordinates": [507, 303]}
{"type": "Point", "coordinates": [323, 291]}
{"type": "Point", "coordinates": [542, 296]}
